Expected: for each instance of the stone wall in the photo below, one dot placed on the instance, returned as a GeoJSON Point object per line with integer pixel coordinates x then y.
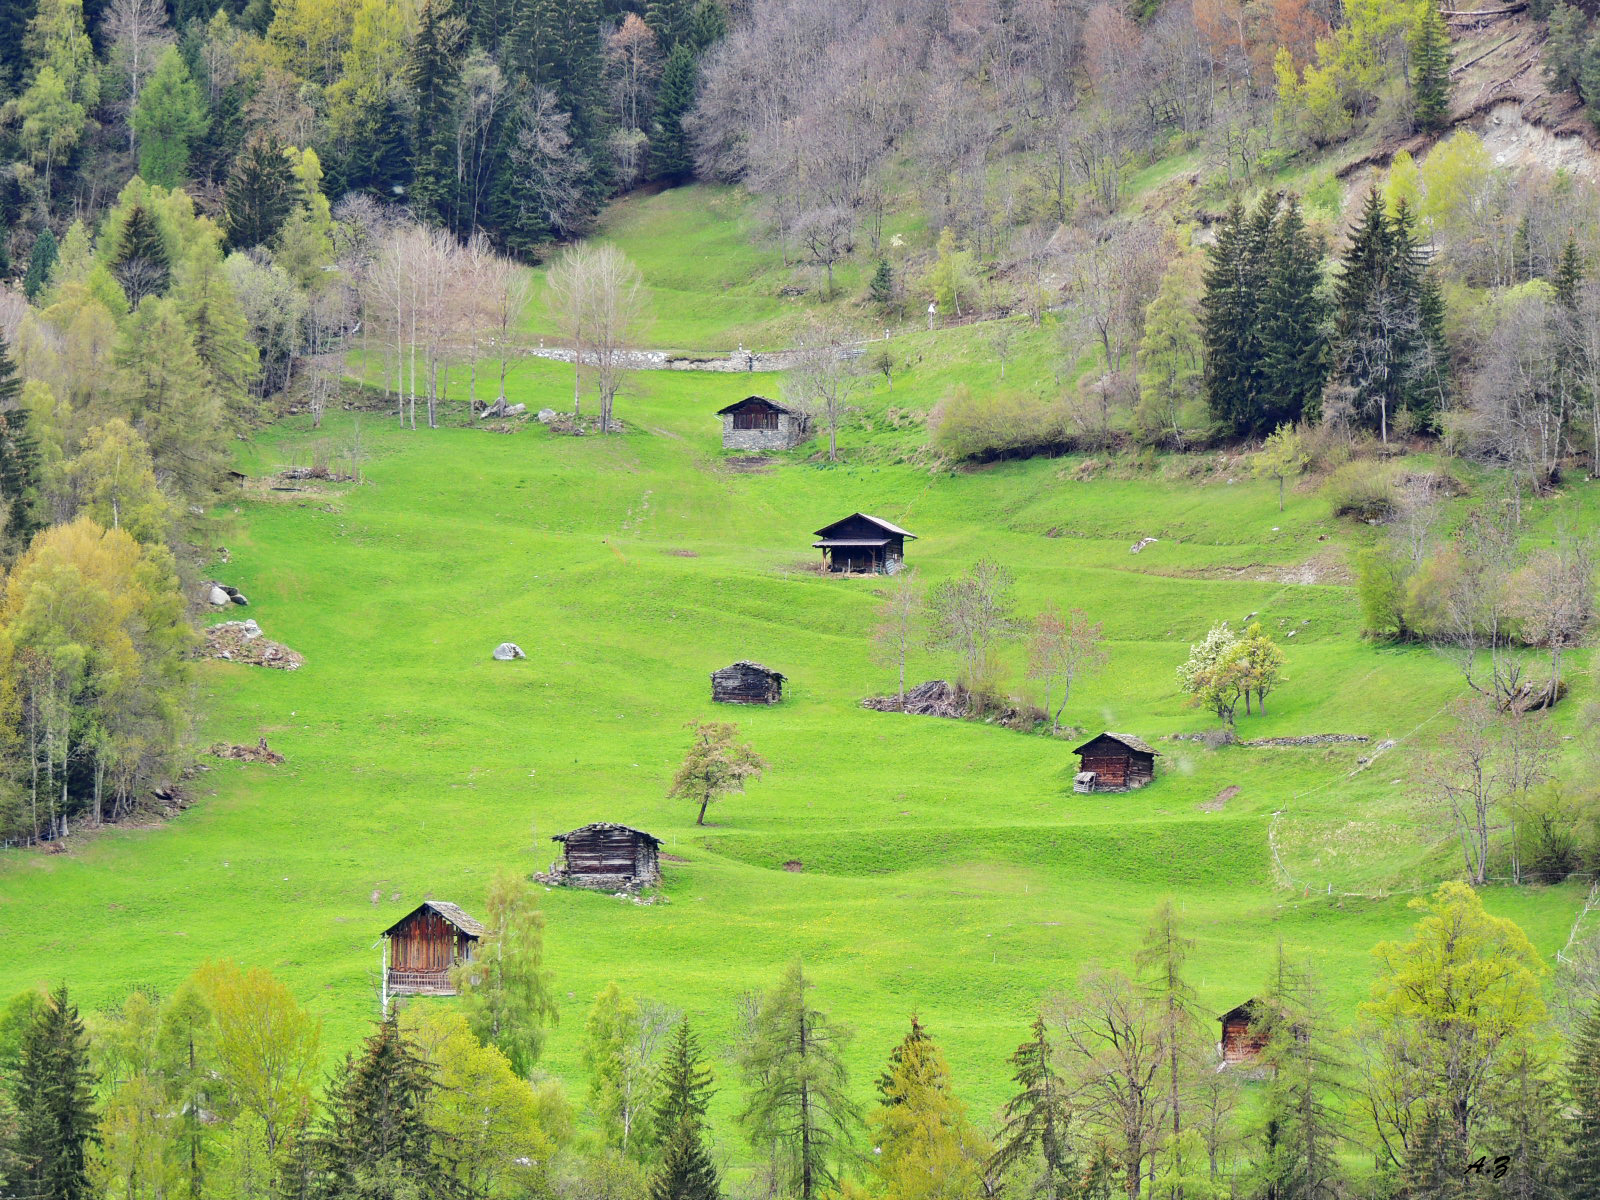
{"type": "Point", "coordinates": [734, 362]}
{"type": "Point", "coordinates": [788, 435]}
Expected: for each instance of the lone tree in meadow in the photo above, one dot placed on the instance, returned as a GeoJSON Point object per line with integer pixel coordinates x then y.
{"type": "Point", "coordinates": [1061, 649]}
{"type": "Point", "coordinates": [717, 763]}
{"type": "Point", "coordinates": [972, 615]}
{"type": "Point", "coordinates": [899, 623]}
{"type": "Point", "coordinates": [1281, 457]}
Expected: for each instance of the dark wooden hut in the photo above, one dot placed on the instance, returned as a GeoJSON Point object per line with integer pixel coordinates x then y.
{"type": "Point", "coordinates": [746, 682]}
{"type": "Point", "coordinates": [756, 423]}
{"type": "Point", "coordinates": [422, 946]}
{"type": "Point", "coordinates": [1114, 762]}
{"type": "Point", "coordinates": [863, 544]}
{"type": "Point", "coordinates": [608, 857]}
{"type": "Point", "coordinates": [1241, 1044]}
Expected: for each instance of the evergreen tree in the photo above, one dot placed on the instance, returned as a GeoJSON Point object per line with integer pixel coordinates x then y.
{"type": "Point", "coordinates": [259, 195]}
{"type": "Point", "coordinates": [1430, 65]}
{"type": "Point", "coordinates": [671, 155]}
{"type": "Point", "coordinates": [684, 1170]}
{"type": "Point", "coordinates": [797, 1108]}
{"type": "Point", "coordinates": [1231, 326]}
{"type": "Point", "coordinates": [42, 258]}
{"type": "Point", "coordinates": [140, 262]}
{"type": "Point", "coordinates": [1035, 1142]}
{"type": "Point", "coordinates": [1161, 957]}
{"type": "Point", "coordinates": [19, 461]}
{"type": "Point", "coordinates": [1563, 47]}
{"type": "Point", "coordinates": [1583, 1088]}
{"type": "Point", "coordinates": [53, 1093]}
{"type": "Point", "coordinates": [1589, 75]}
{"type": "Point", "coordinates": [375, 1142]}
{"type": "Point", "coordinates": [881, 289]}
{"type": "Point", "coordinates": [710, 25]}
{"type": "Point", "coordinates": [221, 332]}
{"type": "Point", "coordinates": [168, 119]}
{"type": "Point", "coordinates": [434, 77]}
{"type": "Point", "coordinates": [1294, 340]}
{"type": "Point", "coordinates": [1569, 275]}
{"type": "Point", "coordinates": [672, 21]}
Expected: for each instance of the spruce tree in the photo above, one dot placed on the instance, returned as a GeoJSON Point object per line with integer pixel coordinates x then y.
{"type": "Point", "coordinates": [684, 1170]}
{"type": "Point", "coordinates": [671, 155]}
{"type": "Point", "coordinates": [19, 461]}
{"type": "Point", "coordinates": [1430, 63]}
{"type": "Point", "coordinates": [53, 1093]}
{"type": "Point", "coordinates": [434, 77]}
{"type": "Point", "coordinates": [881, 288]}
{"type": "Point", "coordinates": [259, 193]}
{"type": "Point", "coordinates": [1035, 1141]}
{"type": "Point", "coordinates": [672, 21]}
{"type": "Point", "coordinates": [40, 260]}
{"type": "Point", "coordinates": [1294, 339]}
{"type": "Point", "coordinates": [375, 1141]}
{"type": "Point", "coordinates": [1583, 1085]}
{"type": "Point", "coordinates": [710, 25]}
{"type": "Point", "coordinates": [168, 119]}
{"type": "Point", "coordinates": [925, 1145]}
{"type": "Point", "coordinates": [1569, 275]}
{"type": "Point", "coordinates": [1563, 47]}
{"type": "Point", "coordinates": [141, 264]}
{"type": "Point", "coordinates": [1226, 312]}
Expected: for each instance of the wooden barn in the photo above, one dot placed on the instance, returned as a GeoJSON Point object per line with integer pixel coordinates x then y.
{"type": "Point", "coordinates": [756, 423]}
{"type": "Point", "coordinates": [861, 544]}
{"type": "Point", "coordinates": [746, 682]}
{"type": "Point", "coordinates": [1240, 1044]}
{"type": "Point", "coordinates": [420, 948]}
{"type": "Point", "coordinates": [607, 857]}
{"type": "Point", "coordinates": [1114, 762]}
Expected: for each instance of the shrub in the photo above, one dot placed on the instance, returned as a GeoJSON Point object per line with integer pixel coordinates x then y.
{"type": "Point", "coordinates": [1000, 424]}
{"type": "Point", "coordinates": [1366, 490]}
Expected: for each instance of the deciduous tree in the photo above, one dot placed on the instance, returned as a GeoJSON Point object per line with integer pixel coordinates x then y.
{"type": "Point", "coordinates": [717, 764]}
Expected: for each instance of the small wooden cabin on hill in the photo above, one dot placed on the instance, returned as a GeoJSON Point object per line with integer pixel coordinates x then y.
{"type": "Point", "coordinates": [746, 682]}
{"type": "Point", "coordinates": [862, 544]}
{"type": "Point", "coordinates": [1114, 762]}
{"type": "Point", "coordinates": [607, 857]}
{"type": "Point", "coordinates": [1240, 1044]}
{"type": "Point", "coordinates": [422, 946]}
{"type": "Point", "coordinates": [756, 423]}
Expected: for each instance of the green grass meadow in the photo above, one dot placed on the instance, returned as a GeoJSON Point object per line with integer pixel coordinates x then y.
{"type": "Point", "coordinates": [945, 868]}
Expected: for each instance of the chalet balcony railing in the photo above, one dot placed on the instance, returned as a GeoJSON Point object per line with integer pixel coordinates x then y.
{"type": "Point", "coordinates": [421, 983]}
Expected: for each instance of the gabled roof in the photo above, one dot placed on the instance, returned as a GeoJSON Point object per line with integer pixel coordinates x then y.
{"type": "Point", "coordinates": [753, 666]}
{"type": "Point", "coordinates": [604, 827]}
{"type": "Point", "coordinates": [1247, 1010]}
{"type": "Point", "coordinates": [878, 521]}
{"type": "Point", "coordinates": [750, 401]}
{"type": "Point", "coordinates": [452, 913]}
{"type": "Point", "coordinates": [1127, 739]}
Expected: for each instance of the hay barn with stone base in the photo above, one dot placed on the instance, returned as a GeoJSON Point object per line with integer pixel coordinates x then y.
{"type": "Point", "coordinates": [756, 423]}
{"type": "Point", "coordinates": [746, 682]}
{"type": "Point", "coordinates": [1114, 762]}
{"type": "Point", "coordinates": [607, 857]}
{"type": "Point", "coordinates": [420, 949]}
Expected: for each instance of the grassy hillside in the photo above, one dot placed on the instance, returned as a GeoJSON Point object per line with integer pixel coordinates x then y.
{"type": "Point", "coordinates": [946, 868]}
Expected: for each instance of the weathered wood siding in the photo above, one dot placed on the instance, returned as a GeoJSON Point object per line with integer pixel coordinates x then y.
{"type": "Point", "coordinates": [1239, 1044]}
{"type": "Point", "coordinates": [745, 684]}
{"type": "Point", "coordinates": [422, 951]}
{"type": "Point", "coordinates": [1116, 765]}
{"type": "Point", "coordinates": [611, 856]}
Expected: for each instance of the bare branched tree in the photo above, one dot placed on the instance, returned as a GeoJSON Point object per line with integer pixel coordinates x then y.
{"type": "Point", "coordinates": [598, 300]}
{"type": "Point", "coordinates": [824, 376]}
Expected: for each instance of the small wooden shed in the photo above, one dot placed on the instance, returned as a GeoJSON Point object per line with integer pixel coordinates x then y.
{"type": "Point", "coordinates": [863, 544]}
{"type": "Point", "coordinates": [421, 947]}
{"type": "Point", "coordinates": [746, 682]}
{"type": "Point", "coordinates": [1241, 1044]}
{"type": "Point", "coordinates": [757, 423]}
{"type": "Point", "coordinates": [1114, 762]}
{"type": "Point", "coordinates": [607, 857]}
